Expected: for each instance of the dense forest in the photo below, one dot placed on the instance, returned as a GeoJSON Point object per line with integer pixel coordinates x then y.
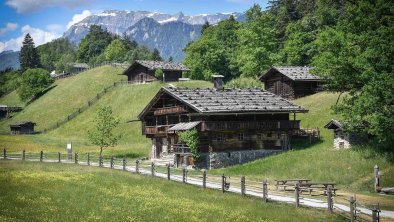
{"type": "Point", "coordinates": [349, 43]}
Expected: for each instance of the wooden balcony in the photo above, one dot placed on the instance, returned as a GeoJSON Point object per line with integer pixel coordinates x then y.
{"type": "Point", "coordinates": [231, 126]}
{"type": "Point", "coordinates": [169, 110]}
{"type": "Point", "coordinates": [250, 125]}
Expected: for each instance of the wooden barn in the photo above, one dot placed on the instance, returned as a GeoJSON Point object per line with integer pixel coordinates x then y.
{"type": "Point", "coordinates": [291, 82]}
{"type": "Point", "coordinates": [234, 125]}
{"type": "Point", "coordinates": [342, 138]}
{"type": "Point", "coordinates": [6, 111]}
{"type": "Point", "coordinates": [144, 71]}
{"type": "Point", "coordinates": [22, 128]}
{"type": "Point", "coordinates": [79, 67]}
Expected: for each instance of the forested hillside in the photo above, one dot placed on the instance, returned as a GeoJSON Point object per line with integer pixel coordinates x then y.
{"type": "Point", "coordinates": [349, 43]}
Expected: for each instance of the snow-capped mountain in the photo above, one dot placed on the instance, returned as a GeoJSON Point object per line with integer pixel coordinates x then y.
{"type": "Point", "coordinates": [168, 33]}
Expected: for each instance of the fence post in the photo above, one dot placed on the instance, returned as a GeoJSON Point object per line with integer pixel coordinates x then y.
{"type": "Point", "coordinates": [137, 167]}
{"type": "Point", "coordinates": [152, 168]}
{"type": "Point", "coordinates": [112, 162]}
{"type": "Point", "coordinates": [204, 178]}
{"type": "Point", "coordinates": [88, 159]}
{"type": "Point", "coordinates": [101, 164]}
{"type": "Point", "coordinates": [243, 186]}
{"type": "Point", "coordinates": [223, 181]}
{"type": "Point", "coordinates": [184, 174]}
{"type": "Point", "coordinates": [4, 154]}
{"type": "Point", "coordinates": [352, 215]}
{"type": "Point", "coordinates": [41, 156]}
{"type": "Point", "coordinates": [376, 174]}
{"type": "Point", "coordinates": [265, 191]}
{"type": "Point", "coordinates": [58, 157]}
{"type": "Point", "coordinates": [124, 163]}
{"type": "Point", "coordinates": [24, 155]}
{"type": "Point", "coordinates": [375, 213]}
{"type": "Point", "coordinates": [76, 158]}
{"type": "Point", "coordinates": [329, 198]}
{"type": "Point", "coordinates": [168, 172]}
{"type": "Point", "coordinates": [297, 194]}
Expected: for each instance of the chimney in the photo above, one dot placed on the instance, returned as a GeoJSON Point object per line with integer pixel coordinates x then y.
{"type": "Point", "coordinates": [218, 82]}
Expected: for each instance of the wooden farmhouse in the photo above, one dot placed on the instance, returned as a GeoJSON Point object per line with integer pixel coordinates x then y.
{"type": "Point", "coordinates": [234, 125]}
{"type": "Point", "coordinates": [144, 71]}
{"type": "Point", "coordinates": [291, 82]}
{"type": "Point", "coordinates": [342, 138]}
{"type": "Point", "coordinates": [22, 128]}
{"type": "Point", "coordinates": [79, 67]}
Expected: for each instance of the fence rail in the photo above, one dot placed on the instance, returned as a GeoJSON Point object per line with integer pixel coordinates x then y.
{"type": "Point", "coordinates": [353, 210]}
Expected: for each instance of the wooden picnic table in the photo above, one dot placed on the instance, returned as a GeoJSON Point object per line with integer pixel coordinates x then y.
{"type": "Point", "coordinates": [287, 182]}
{"type": "Point", "coordinates": [309, 186]}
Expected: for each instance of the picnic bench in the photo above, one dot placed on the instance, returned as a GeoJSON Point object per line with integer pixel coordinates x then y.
{"type": "Point", "coordinates": [289, 182]}
{"type": "Point", "coordinates": [309, 186]}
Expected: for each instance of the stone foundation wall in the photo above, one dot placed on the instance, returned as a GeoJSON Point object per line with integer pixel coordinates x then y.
{"type": "Point", "coordinates": [224, 159]}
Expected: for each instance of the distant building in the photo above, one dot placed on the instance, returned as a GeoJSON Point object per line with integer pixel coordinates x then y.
{"type": "Point", "coordinates": [234, 125]}
{"type": "Point", "coordinates": [79, 67]}
{"type": "Point", "coordinates": [22, 128]}
{"type": "Point", "coordinates": [291, 82]}
{"type": "Point", "coordinates": [144, 71]}
{"type": "Point", "coordinates": [5, 111]}
{"type": "Point", "coordinates": [342, 138]}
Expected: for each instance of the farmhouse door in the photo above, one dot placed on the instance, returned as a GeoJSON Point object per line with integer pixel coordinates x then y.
{"type": "Point", "coordinates": [159, 148]}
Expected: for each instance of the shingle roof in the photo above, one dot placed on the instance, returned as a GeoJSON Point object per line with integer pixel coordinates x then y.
{"type": "Point", "coordinates": [211, 101]}
{"type": "Point", "coordinates": [22, 124]}
{"type": "Point", "coordinates": [334, 124]}
{"type": "Point", "coordinates": [296, 73]}
{"type": "Point", "coordinates": [80, 65]}
{"type": "Point", "coordinates": [184, 126]}
{"type": "Point", "coordinates": [165, 66]}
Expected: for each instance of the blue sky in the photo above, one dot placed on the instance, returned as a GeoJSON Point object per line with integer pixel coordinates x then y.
{"type": "Point", "coordinates": [46, 20]}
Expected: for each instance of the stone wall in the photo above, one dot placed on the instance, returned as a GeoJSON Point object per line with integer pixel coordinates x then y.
{"type": "Point", "coordinates": [224, 159]}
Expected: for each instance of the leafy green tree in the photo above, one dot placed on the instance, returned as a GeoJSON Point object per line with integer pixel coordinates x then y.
{"type": "Point", "coordinates": [28, 56]}
{"type": "Point", "coordinates": [51, 52]}
{"type": "Point", "coordinates": [156, 55]}
{"type": "Point", "coordinates": [159, 74]}
{"type": "Point", "coordinates": [115, 51]}
{"type": "Point", "coordinates": [356, 56]}
{"type": "Point", "coordinates": [103, 134]}
{"type": "Point", "coordinates": [33, 82]}
{"type": "Point", "coordinates": [93, 44]}
{"type": "Point", "coordinates": [64, 64]}
{"type": "Point", "coordinates": [190, 137]}
{"type": "Point", "coordinates": [9, 81]}
{"type": "Point", "coordinates": [258, 45]}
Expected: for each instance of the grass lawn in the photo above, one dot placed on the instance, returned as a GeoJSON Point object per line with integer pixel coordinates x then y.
{"type": "Point", "coordinates": [67, 192]}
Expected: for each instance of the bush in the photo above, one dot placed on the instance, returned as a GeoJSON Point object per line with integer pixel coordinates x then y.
{"type": "Point", "coordinates": [159, 74]}
{"type": "Point", "coordinates": [33, 82]}
{"type": "Point", "coordinates": [245, 82]}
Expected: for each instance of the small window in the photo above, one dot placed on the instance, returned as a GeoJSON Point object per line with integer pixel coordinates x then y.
{"type": "Point", "coordinates": [219, 137]}
{"type": "Point", "coordinates": [278, 136]}
{"type": "Point", "coordinates": [260, 136]}
{"type": "Point", "coordinates": [241, 136]}
{"type": "Point", "coordinates": [269, 135]}
{"type": "Point", "coordinates": [342, 137]}
{"type": "Point", "coordinates": [341, 144]}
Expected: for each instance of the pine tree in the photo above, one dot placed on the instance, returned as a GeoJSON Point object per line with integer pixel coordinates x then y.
{"type": "Point", "coordinates": [204, 27]}
{"type": "Point", "coordinates": [28, 55]}
{"type": "Point", "coordinates": [170, 59]}
{"type": "Point", "coordinates": [156, 55]}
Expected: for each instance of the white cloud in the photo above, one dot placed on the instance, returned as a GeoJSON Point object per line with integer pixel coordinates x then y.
{"type": "Point", "coordinates": [28, 6]}
{"type": "Point", "coordinates": [8, 28]}
{"type": "Point", "coordinates": [79, 17]}
{"type": "Point", "coordinates": [57, 28]}
{"type": "Point", "coordinates": [39, 36]}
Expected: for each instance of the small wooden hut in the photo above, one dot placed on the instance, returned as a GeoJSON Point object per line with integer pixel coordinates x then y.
{"type": "Point", "coordinates": [291, 82]}
{"type": "Point", "coordinates": [6, 111]}
{"type": "Point", "coordinates": [342, 138]}
{"type": "Point", "coordinates": [22, 128]}
{"type": "Point", "coordinates": [144, 71]}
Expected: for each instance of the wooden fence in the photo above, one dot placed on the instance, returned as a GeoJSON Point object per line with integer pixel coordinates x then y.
{"type": "Point", "coordinates": [348, 207]}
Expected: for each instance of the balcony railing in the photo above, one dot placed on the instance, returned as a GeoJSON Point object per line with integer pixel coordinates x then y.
{"type": "Point", "coordinates": [169, 110]}
{"type": "Point", "coordinates": [232, 125]}
{"type": "Point", "coordinates": [250, 125]}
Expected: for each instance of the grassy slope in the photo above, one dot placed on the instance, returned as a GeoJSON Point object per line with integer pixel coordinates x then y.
{"type": "Point", "coordinates": [127, 101]}
{"type": "Point", "coordinates": [68, 95]}
{"type": "Point", "coordinates": [52, 192]}
{"type": "Point", "coordinates": [12, 99]}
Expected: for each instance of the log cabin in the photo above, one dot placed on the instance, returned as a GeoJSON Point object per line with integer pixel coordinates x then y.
{"type": "Point", "coordinates": [22, 128]}
{"type": "Point", "coordinates": [144, 71]}
{"type": "Point", "coordinates": [291, 82]}
{"type": "Point", "coordinates": [234, 125]}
